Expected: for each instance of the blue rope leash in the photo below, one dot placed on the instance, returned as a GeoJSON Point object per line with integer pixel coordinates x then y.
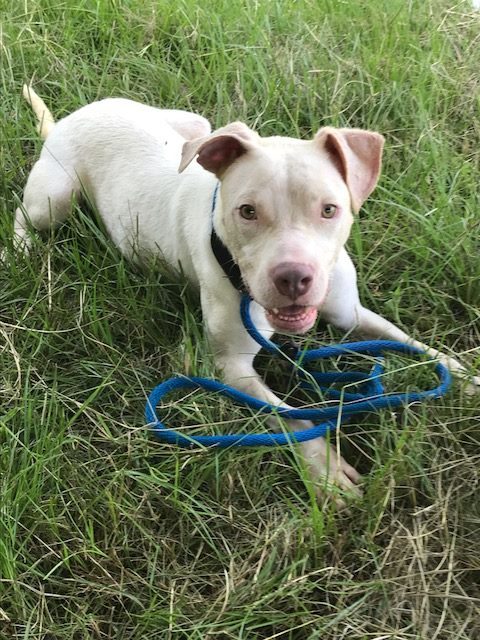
{"type": "Point", "coordinates": [370, 397]}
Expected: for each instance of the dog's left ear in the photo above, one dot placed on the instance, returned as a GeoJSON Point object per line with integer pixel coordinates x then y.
{"type": "Point", "coordinates": [220, 149]}
{"type": "Point", "coordinates": [357, 154]}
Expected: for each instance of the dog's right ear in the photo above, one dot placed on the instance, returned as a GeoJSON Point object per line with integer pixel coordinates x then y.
{"type": "Point", "coordinates": [217, 151]}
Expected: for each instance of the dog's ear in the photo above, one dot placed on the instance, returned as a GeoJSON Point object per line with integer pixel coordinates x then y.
{"type": "Point", "coordinates": [217, 151]}
{"type": "Point", "coordinates": [357, 154]}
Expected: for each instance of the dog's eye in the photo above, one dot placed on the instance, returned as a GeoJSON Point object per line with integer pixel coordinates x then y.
{"type": "Point", "coordinates": [248, 212]}
{"type": "Point", "coordinates": [329, 210]}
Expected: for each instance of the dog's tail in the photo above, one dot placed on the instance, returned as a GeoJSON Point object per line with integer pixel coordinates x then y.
{"type": "Point", "coordinates": [44, 117]}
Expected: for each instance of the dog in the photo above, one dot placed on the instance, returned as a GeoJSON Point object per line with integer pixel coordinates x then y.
{"type": "Point", "coordinates": [269, 215]}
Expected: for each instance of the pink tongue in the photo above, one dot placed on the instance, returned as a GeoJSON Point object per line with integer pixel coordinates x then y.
{"type": "Point", "coordinates": [292, 311]}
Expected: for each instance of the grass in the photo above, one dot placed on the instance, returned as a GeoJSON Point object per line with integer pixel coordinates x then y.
{"type": "Point", "coordinates": [105, 533]}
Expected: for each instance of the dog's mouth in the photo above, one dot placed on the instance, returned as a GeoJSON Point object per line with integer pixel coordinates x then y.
{"type": "Point", "coordinates": [292, 319]}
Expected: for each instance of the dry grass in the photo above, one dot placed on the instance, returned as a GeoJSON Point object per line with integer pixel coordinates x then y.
{"type": "Point", "coordinates": [105, 533]}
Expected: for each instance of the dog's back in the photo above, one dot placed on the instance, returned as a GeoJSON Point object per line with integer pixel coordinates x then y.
{"type": "Point", "coordinates": [98, 150]}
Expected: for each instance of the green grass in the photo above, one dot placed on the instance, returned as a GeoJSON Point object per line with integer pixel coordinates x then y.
{"type": "Point", "coordinates": [105, 533]}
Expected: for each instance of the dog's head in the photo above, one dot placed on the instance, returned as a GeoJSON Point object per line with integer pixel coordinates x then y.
{"type": "Point", "coordinates": [286, 208]}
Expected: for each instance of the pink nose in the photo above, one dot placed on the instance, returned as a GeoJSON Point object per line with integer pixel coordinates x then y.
{"type": "Point", "coordinates": [292, 279]}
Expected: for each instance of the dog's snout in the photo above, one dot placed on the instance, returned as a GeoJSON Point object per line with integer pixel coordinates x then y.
{"type": "Point", "coordinates": [292, 279]}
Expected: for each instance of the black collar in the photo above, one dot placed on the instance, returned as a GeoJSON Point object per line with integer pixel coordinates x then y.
{"type": "Point", "coordinates": [223, 255]}
{"type": "Point", "coordinates": [226, 261]}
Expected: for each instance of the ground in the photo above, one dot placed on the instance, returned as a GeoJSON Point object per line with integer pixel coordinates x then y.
{"type": "Point", "coordinates": [106, 533]}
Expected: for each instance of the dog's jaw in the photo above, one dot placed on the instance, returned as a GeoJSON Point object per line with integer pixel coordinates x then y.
{"type": "Point", "coordinates": [297, 319]}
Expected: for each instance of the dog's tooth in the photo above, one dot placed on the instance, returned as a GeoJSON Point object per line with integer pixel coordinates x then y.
{"type": "Point", "coordinates": [275, 311]}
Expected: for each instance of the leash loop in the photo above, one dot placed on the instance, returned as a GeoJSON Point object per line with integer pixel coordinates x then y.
{"type": "Point", "coordinates": [370, 396]}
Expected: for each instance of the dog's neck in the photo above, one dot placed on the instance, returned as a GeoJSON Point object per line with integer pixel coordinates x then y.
{"type": "Point", "coordinates": [223, 255]}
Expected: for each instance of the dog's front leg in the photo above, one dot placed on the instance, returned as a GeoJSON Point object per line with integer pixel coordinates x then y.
{"type": "Point", "coordinates": [234, 352]}
{"type": "Point", "coordinates": [344, 310]}
{"type": "Point", "coordinates": [372, 325]}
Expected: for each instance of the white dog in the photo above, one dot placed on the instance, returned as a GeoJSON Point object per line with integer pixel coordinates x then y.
{"type": "Point", "coordinates": [277, 224]}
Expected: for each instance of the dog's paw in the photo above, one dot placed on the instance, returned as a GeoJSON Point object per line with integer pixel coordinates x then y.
{"type": "Point", "coordinates": [472, 386]}
{"type": "Point", "coordinates": [332, 476]}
